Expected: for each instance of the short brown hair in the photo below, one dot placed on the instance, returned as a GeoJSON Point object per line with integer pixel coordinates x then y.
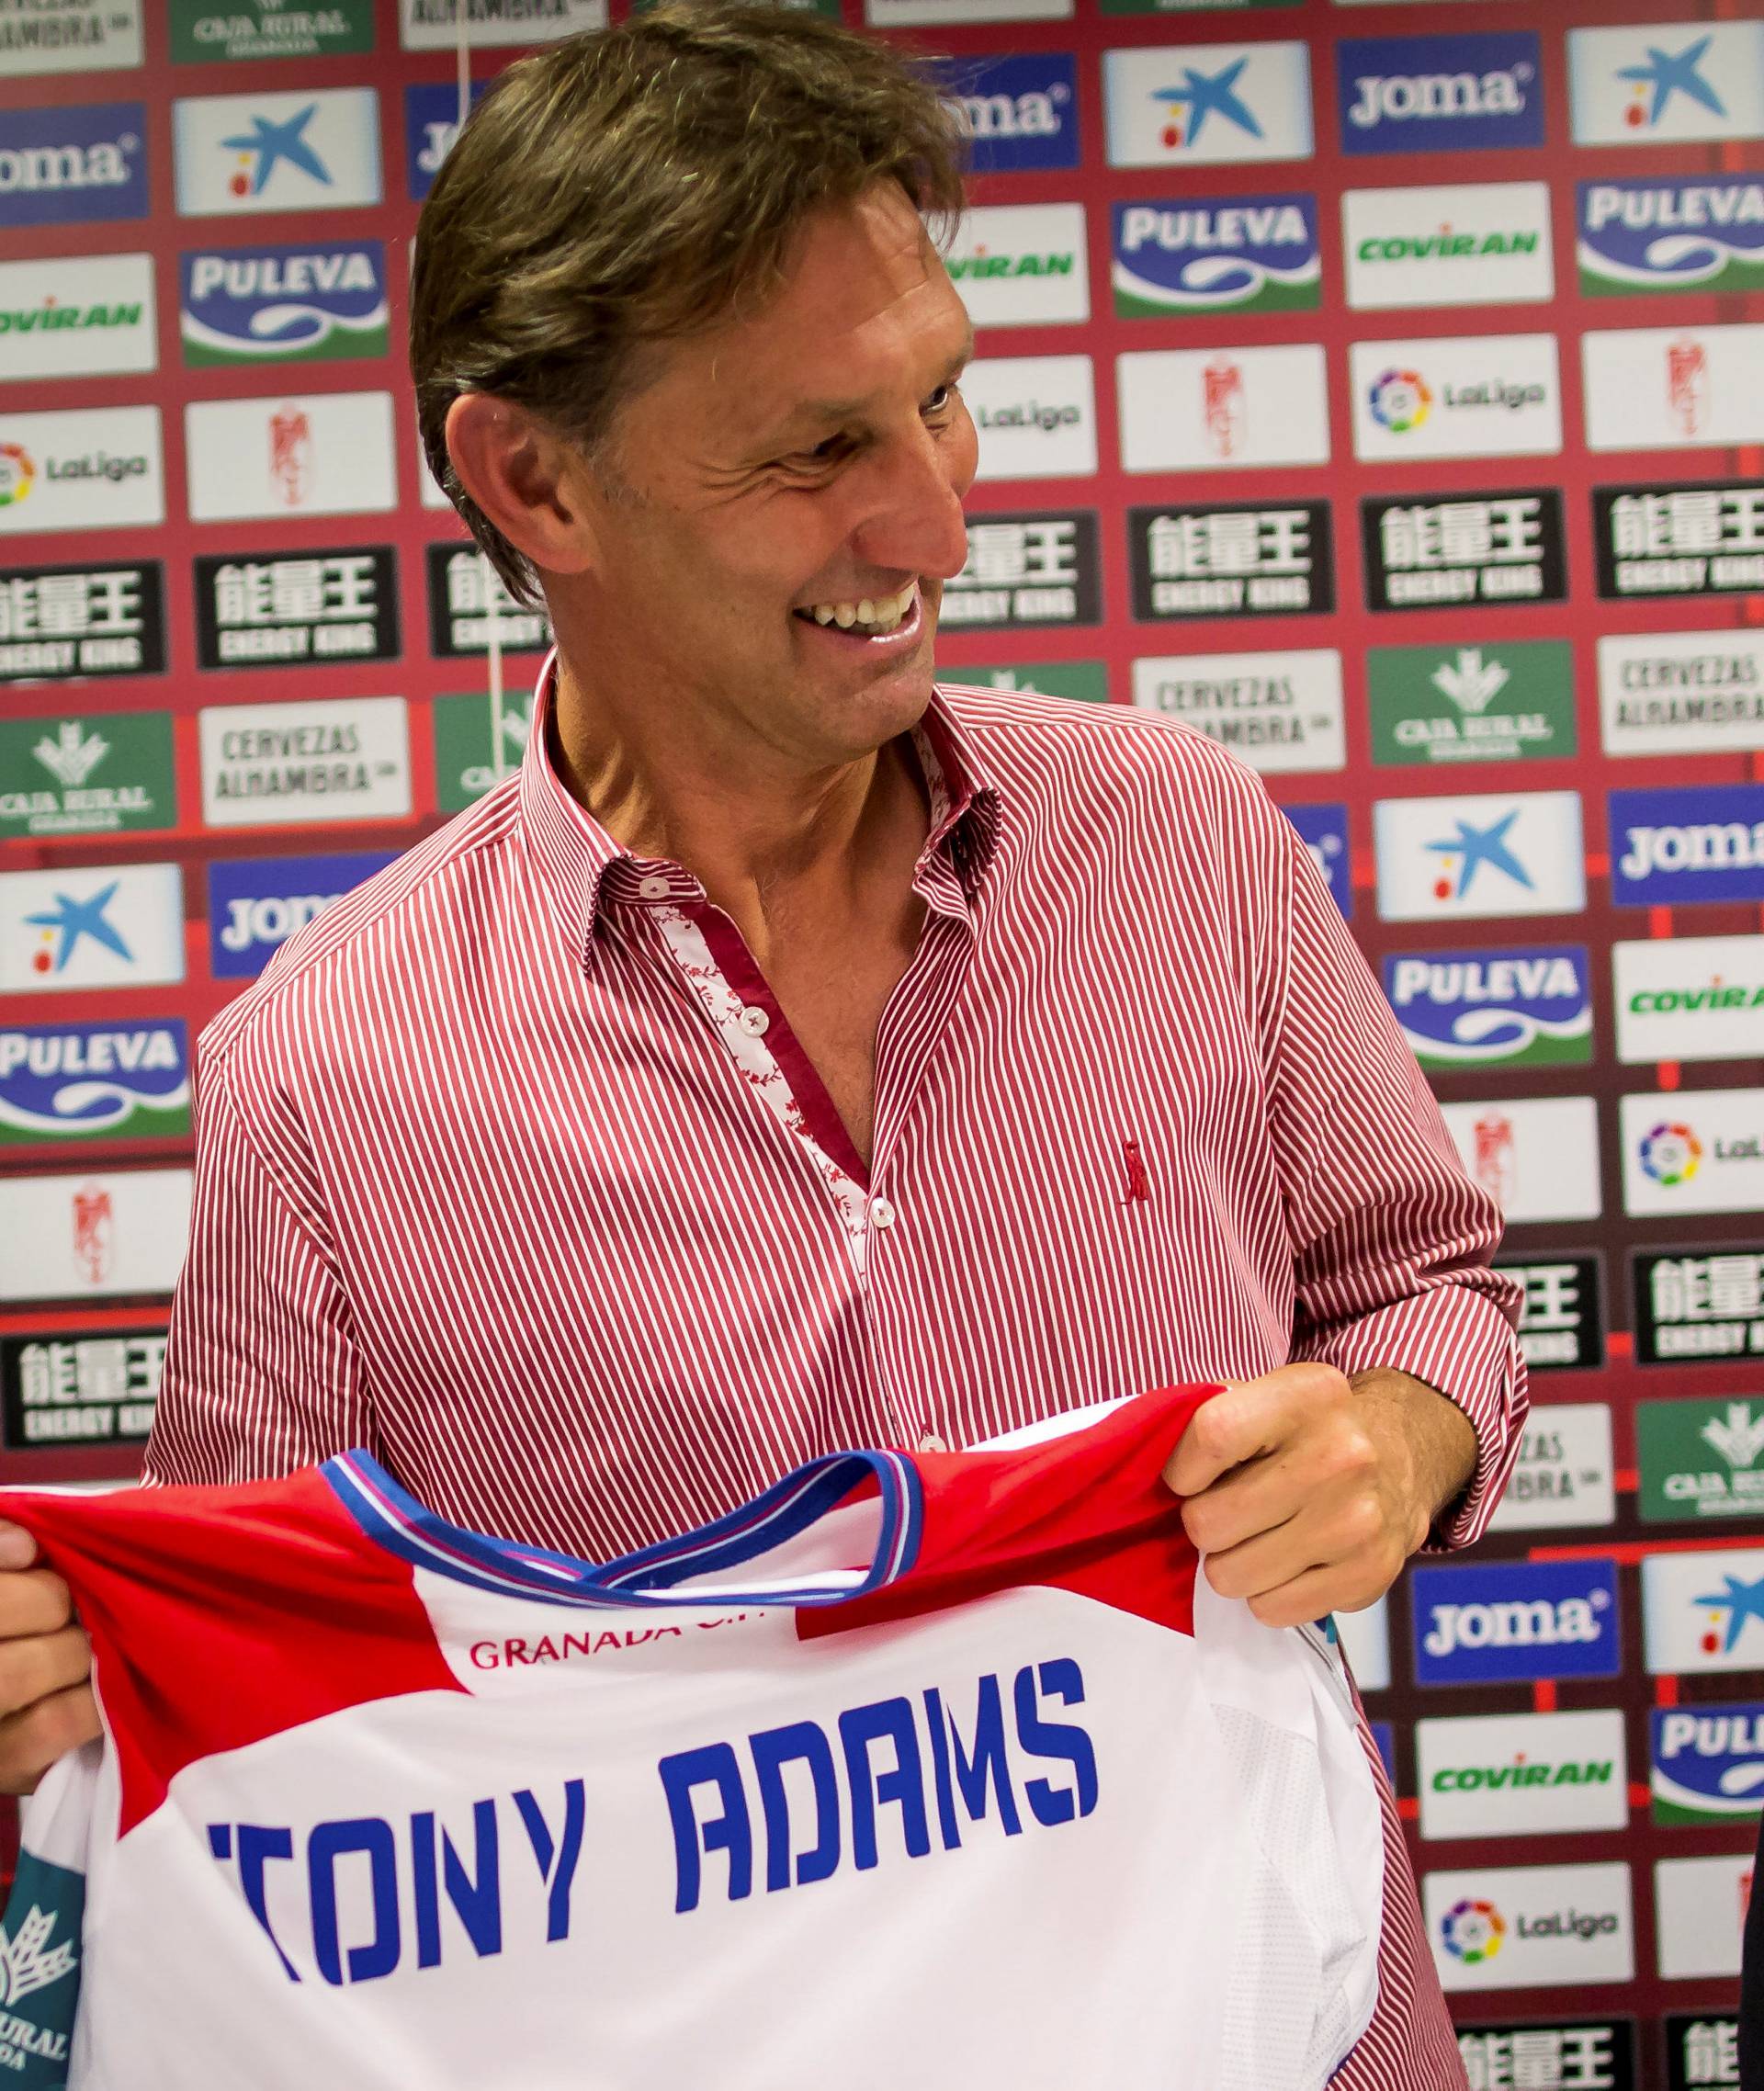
{"type": "Point", "coordinates": [625, 188]}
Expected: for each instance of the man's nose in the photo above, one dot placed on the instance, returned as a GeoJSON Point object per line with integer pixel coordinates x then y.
{"type": "Point", "coordinates": [913, 520]}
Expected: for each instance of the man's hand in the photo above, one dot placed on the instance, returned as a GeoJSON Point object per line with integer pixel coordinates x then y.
{"type": "Point", "coordinates": [46, 1704]}
{"type": "Point", "coordinates": [1307, 1493]}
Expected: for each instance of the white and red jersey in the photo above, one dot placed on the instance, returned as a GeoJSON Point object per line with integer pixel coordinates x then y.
{"type": "Point", "coordinates": [928, 1768]}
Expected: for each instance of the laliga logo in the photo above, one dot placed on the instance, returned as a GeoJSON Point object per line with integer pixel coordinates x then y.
{"type": "Point", "coordinates": [1471, 1931]}
{"type": "Point", "coordinates": [18, 473]}
{"type": "Point", "coordinates": [1401, 400]}
{"type": "Point", "coordinates": [1670, 1153]}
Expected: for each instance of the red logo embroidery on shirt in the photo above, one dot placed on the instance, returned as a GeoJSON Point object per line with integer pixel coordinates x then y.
{"type": "Point", "coordinates": [1138, 1183]}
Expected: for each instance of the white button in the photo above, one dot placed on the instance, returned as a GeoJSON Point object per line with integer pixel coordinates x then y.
{"type": "Point", "coordinates": [654, 888]}
{"type": "Point", "coordinates": [932, 1442]}
{"type": "Point", "coordinates": [754, 1021]}
{"type": "Point", "coordinates": [881, 1212]}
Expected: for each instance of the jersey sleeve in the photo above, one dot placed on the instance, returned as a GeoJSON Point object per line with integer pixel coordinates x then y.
{"type": "Point", "coordinates": [42, 1935]}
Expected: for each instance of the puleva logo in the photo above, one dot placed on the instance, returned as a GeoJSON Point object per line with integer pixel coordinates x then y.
{"type": "Point", "coordinates": [1217, 253]}
{"type": "Point", "coordinates": [1400, 399]}
{"type": "Point", "coordinates": [283, 304]}
{"type": "Point", "coordinates": [87, 1081]}
{"type": "Point", "coordinates": [1019, 112]}
{"type": "Point", "coordinates": [1440, 94]}
{"type": "Point", "coordinates": [1472, 1930]}
{"type": "Point", "coordinates": [1512, 1620]}
{"type": "Point", "coordinates": [1672, 233]}
{"type": "Point", "coordinates": [1496, 1008]}
{"type": "Point", "coordinates": [1689, 843]}
{"type": "Point", "coordinates": [71, 166]}
{"type": "Point", "coordinates": [1708, 1762]}
{"type": "Point", "coordinates": [1670, 1152]}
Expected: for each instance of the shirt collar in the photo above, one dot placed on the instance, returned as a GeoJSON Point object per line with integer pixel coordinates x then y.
{"type": "Point", "coordinates": [584, 867]}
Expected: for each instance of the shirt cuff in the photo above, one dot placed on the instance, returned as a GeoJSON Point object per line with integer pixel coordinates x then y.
{"type": "Point", "coordinates": [1460, 1342]}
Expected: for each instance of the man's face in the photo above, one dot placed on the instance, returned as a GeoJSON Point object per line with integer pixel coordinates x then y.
{"type": "Point", "coordinates": [812, 456]}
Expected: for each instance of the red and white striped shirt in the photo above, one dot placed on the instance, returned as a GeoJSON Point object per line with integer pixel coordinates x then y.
{"type": "Point", "coordinates": [510, 1171]}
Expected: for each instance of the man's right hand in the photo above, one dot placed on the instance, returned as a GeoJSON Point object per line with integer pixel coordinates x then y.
{"type": "Point", "coordinates": [46, 1704]}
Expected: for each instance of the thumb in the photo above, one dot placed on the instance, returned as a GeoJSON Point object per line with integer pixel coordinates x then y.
{"type": "Point", "coordinates": [17, 1548]}
{"type": "Point", "coordinates": [1221, 1433]}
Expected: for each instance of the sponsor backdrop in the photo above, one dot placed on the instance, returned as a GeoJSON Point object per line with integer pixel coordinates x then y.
{"type": "Point", "coordinates": [1377, 387]}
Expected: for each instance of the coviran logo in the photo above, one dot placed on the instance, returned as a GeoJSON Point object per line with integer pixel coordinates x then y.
{"type": "Point", "coordinates": [53, 317]}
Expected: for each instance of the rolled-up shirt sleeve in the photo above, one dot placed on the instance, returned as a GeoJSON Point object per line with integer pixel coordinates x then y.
{"type": "Point", "coordinates": [1391, 1239]}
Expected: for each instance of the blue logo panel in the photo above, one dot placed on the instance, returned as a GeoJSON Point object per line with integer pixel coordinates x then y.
{"type": "Point", "coordinates": [1241, 254]}
{"type": "Point", "coordinates": [431, 125]}
{"type": "Point", "coordinates": [1451, 94]}
{"type": "Point", "coordinates": [1515, 1621]}
{"type": "Point", "coordinates": [1021, 113]}
{"type": "Point", "coordinates": [1323, 830]}
{"type": "Point", "coordinates": [1692, 842]}
{"type": "Point", "coordinates": [73, 166]}
{"type": "Point", "coordinates": [1472, 1008]}
{"type": "Point", "coordinates": [111, 1081]}
{"type": "Point", "coordinates": [1708, 1762]}
{"type": "Point", "coordinates": [243, 304]}
{"type": "Point", "coordinates": [255, 904]}
{"type": "Point", "coordinates": [1672, 232]}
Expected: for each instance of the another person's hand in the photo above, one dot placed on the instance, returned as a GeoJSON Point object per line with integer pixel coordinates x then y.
{"type": "Point", "coordinates": [1306, 1492]}
{"type": "Point", "coordinates": [46, 1704]}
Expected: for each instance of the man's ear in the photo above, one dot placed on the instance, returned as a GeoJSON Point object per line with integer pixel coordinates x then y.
{"type": "Point", "coordinates": [531, 484]}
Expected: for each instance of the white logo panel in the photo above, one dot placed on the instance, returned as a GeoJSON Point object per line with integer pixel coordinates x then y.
{"type": "Point", "coordinates": [1278, 711]}
{"type": "Point", "coordinates": [1366, 1641]}
{"type": "Point", "coordinates": [1205, 410]}
{"type": "Point", "coordinates": [91, 926]}
{"type": "Point", "coordinates": [1565, 1476]}
{"type": "Point", "coordinates": [80, 317]}
{"type": "Point", "coordinates": [84, 35]}
{"type": "Point", "coordinates": [90, 1236]}
{"type": "Point", "coordinates": [911, 13]}
{"type": "Point", "coordinates": [1530, 1926]}
{"type": "Point", "coordinates": [1682, 693]}
{"type": "Point", "coordinates": [1689, 997]}
{"type": "Point", "coordinates": [1468, 243]}
{"type": "Point", "coordinates": [1457, 859]}
{"type": "Point", "coordinates": [1700, 1914]}
{"type": "Point", "coordinates": [94, 469]}
{"type": "Point", "coordinates": [1521, 1774]}
{"type": "Point", "coordinates": [1694, 1151]}
{"type": "Point", "coordinates": [1664, 83]}
{"type": "Point", "coordinates": [236, 155]}
{"type": "Point", "coordinates": [1458, 396]}
{"type": "Point", "coordinates": [1703, 1611]}
{"type": "Point", "coordinates": [1022, 264]}
{"type": "Point", "coordinates": [1674, 388]}
{"type": "Point", "coordinates": [1537, 1156]}
{"type": "Point", "coordinates": [330, 759]}
{"type": "Point", "coordinates": [434, 25]}
{"type": "Point", "coordinates": [1203, 105]}
{"type": "Point", "coordinates": [1035, 416]}
{"type": "Point", "coordinates": [308, 453]}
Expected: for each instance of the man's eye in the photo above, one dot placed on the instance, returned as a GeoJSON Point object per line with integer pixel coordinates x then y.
{"type": "Point", "coordinates": [940, 401]}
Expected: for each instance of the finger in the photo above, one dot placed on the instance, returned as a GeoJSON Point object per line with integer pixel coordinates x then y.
{"type": "Point", "coordinates": [30, 1741]}
{"type": "Point", "coordinates": [33, 1601]}
{"type": "Point", "coordinates": [1240, 1422]}
{"type": "Point", "coordinates": [17, 1548]}
{"type": "Point", "coordinates": [1340, 1536]}
{"type": "Point", "coordinates": [1349, 1587]}
{"type": "Point", "coordinates": [41, 1665]}
{"type": "Point", "coordinates": [1322, 1467]}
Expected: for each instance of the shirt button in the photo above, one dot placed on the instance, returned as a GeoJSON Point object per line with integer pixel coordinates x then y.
{"type": "Point", "coordinates": [932, 1442]}
{"type": "Point", "coordinates": [754, 1021]}
{"type": "Point", "coordinates": [881, 1212]}
{"type": "Point", "coordinates": [654, 888]}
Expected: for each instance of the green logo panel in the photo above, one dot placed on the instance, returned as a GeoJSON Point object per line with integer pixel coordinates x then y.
{"type": "Point", "coordinates": [86, 776]}
{"type": "Point", "coordinates": [40, 1973]}
{"type": "Point", "coordinates": [475, 748]}
{"type": "Point", "coordinates": [1188, 7]}
{"type": "Point", "coordinates": [1086, 681]}
{"type": "Point", "coordinates": [1701, 1459]}
{"type": "Point", "coordinates": [203, 33]}
{"type": "Point", "coordinates": [1444, 705]}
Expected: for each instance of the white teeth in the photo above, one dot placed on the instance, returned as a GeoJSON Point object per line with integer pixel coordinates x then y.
{"type": "Point", "coordinates": [882, 613]}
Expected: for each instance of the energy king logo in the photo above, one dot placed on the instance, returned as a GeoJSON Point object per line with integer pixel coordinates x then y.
{"type": "Point", "coordinates": [1708, 1766]}
{"type": "Point", "coordinates": [1217, 254]}
{"type": "Point", "coordinates": [1671, 234]}
{"type": "Point", "coordinates": [1503, 1009]}
{"type": "Point", "coordinates": [107, 1081]}
{"type": "Point", "coordinates": [288, 304]}
{"type": "Point", "coordinates": [1472, 1930]}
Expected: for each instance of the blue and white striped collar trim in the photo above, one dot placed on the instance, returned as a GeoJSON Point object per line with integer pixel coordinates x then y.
{"type": "Point", "coordinates": [394, 1518]}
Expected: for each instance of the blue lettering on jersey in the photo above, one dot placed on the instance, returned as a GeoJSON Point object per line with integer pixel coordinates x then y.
{"type": "Point", "coordinates": [877, 1764]}
{"type": "Point", "coordinates": [435, 1869]}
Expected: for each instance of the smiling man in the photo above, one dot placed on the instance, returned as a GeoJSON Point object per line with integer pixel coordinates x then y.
{"type": "Point", "coordinates": [796, 1055]}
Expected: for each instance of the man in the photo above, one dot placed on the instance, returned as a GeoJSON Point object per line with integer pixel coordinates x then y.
{"type": "Point", "coordinates": [791, 1056]}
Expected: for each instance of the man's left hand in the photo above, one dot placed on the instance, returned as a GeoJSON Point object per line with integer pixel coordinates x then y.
{"type": "Point", "coordinates": [1306, 1492]}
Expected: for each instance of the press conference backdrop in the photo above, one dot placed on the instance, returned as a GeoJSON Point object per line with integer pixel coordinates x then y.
{"type": "Point", "coordinates": [1378, 388]}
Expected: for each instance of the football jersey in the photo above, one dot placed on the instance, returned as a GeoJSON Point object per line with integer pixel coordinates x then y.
{"type": "Point", "coordinates": [921, 1769]}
